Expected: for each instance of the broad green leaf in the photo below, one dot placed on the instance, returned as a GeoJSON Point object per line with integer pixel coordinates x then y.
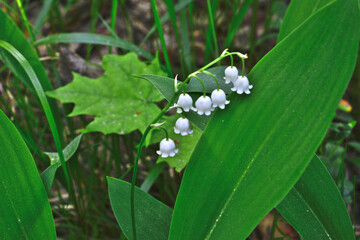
{"type": "Point", "coordinates": [152, 216]}
{"type": "Point", "coordinates": [120, 102]}
{"type": "Point", "coordinates": [297, 13]}
{"type": "Point", "coordinates": [48, 175]}
{"type": "Point", "coordinates": [251, 155]}
{"type": "Point", "coordinates": [25, 211]}
{"type": "Point", "coordinates": [92, 38]}
{"type": "Point", "coordinates": [185, 144]}
{"type": "Point", "coordinates": [315, 208]}
{"type": "Point", "coordinates": [306, 206]}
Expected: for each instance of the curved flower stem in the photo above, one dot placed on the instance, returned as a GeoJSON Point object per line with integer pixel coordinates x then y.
{"type": "Point", "coordinates": [243, 67]}
{"type": "Point", "coordinates": [182, 87]}
{"type": "Point", "coordinates": [202, 83]}
{"type": "Point", "coordinates": [232, 61]}
{"type": "Point", "coordinates": [217, 82]}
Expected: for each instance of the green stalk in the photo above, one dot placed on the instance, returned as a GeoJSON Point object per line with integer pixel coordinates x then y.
{"type": "Point", "coordinates": [161, 36]}
{"type": "Point", "coordinates": [212, 25]}
{"type": "Point", "coordinates": [27, 23]}
{"type": "Point", "coordinates": [202, 84]}
{"type": "Point", "coordinates": [161, 114]}
{"type": "Point", "coordinates": [212, 75]}
{"type": "Point", "coordinates": [113, 18]}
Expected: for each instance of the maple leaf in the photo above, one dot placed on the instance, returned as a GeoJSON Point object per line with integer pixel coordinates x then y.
{"type": "Point", "coordinates": [120, 102]}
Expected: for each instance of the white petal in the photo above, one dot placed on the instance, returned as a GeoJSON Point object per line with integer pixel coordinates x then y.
{"type": "Point", "coordinates": [179, 110]}
{"type": "Point", "coordinates": [214, 105]}
{"type": "Point", "coordinates": [233, 89]}
{"type": "Point", "coordinates": [247, 91]}
{"type": "Point", "coordinates": [190, 131]}
{"type": "Point", "coordinates": [158, 152]}
{"type": "Point", "coordinates": [227, 102]}
{"type": "Point", "coordinates": [250, 86]}
{"type": "Point", "coordinates": [172, 154]}
{"type": "Point", "coordinates": [207, 113]}
{"type": "Point", "coordinates": [222, 106]}
{"type": "Point", "coordinates": [184, 133]}
{"type": "Point", "coordinates": [164, 155]}
{"type": "Point", "coordinates": [176, 150]}
{"type": "Point", "coordinates": [176, 130]}
{"type": "Point", "coordinates": [240, 91]}
{"type": "Point", "coordinates": [186, 109]}
{"type": "Point", "coordinates": [200, 112]}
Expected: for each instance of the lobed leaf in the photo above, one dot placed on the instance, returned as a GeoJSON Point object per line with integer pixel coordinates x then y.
{"type": "Point", "coordinates": [120, 102]}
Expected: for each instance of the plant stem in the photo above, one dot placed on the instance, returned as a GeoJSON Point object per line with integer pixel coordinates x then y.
{"type": "Point", "coordinates": [217, 82]}
{"type": "Point", "coordinates": [212, 25]}
{"type": "Point", "coordinates": [161, 36]}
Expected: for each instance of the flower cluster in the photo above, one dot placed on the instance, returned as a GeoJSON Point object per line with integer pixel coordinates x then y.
{"type": "Point", "coordinates": [203, 105]}
{"type": "Point", "coordinates": [241, 83]}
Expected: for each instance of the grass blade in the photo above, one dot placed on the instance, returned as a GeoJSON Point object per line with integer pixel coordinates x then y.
{"type": "Point", "coordinates": [44, 102]}
{"type": "Point", "coordinates": [39, 22]}
{"type": "Point", "coordinates": [236, 22]}
{"type": "Point", "coordinates": [161, 36]}
{"type": "Point", "coordinates": [91, 38]}
{"type": "Point", "coordinates": [165, 18]}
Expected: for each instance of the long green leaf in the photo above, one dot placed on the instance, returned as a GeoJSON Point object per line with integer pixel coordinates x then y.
{"type": "Point", "coordinates": [11, 34]}
{"type": "Point", "coordinates": [91, 38]}
{"type": "Point", "coordinates": [315, 208]}
{"type": "Point", "coordinates": [44, 101]}
{"type": "Point", "coordinates": [41, 17]}
{"type": "Point", "coordinates": [250, 155]}
{"type": "Point", "coordinates": [25, 211]}
{"type": "Point", "coordinates": [152, 217]}
{"type": "Point", "coordinates": [306, 206]}
{"type": "Point", "coordinates": [297, 13]}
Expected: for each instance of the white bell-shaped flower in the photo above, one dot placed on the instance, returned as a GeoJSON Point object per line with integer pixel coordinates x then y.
{"type": "Point", "coordinates": [185, 102]}
{"type": "Point", "coordinates": [167, 148]}
{"type": "Point", "coordinates": [203, 105]}
{"type": "Point", "coordinates": [182, 126]}
{"type": "Point", "coordinates": [231, 74]}
{"type": "Point", "coordinates": [218, 98]}
{"type": "Point", "coordinates": [242, 85]}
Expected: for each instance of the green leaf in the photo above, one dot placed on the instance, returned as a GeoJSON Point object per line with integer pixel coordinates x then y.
{"type": "Point", "coordinates": [297, 13]}
{"type": "Point", "coordinates": [306, 206]}
{"type": "Point", "coordinates": [120, 102]}
{"type": "Point", "coordinates": [252, 153]}
{"type": "Point", "coordinates": [11, 34]}
{"type": "Point", "coordinates": [152, 216]}
{"type": "Point", "coordinates": [29, 71]}
{"type": "Point", "coordinates": [92, 38]}
{"type": "Point", "coordinates": [25, 211]}
{"type": "Point", "coordinates": [315, 208]}
{"type": "Point", "coordinates": [48, 175]}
